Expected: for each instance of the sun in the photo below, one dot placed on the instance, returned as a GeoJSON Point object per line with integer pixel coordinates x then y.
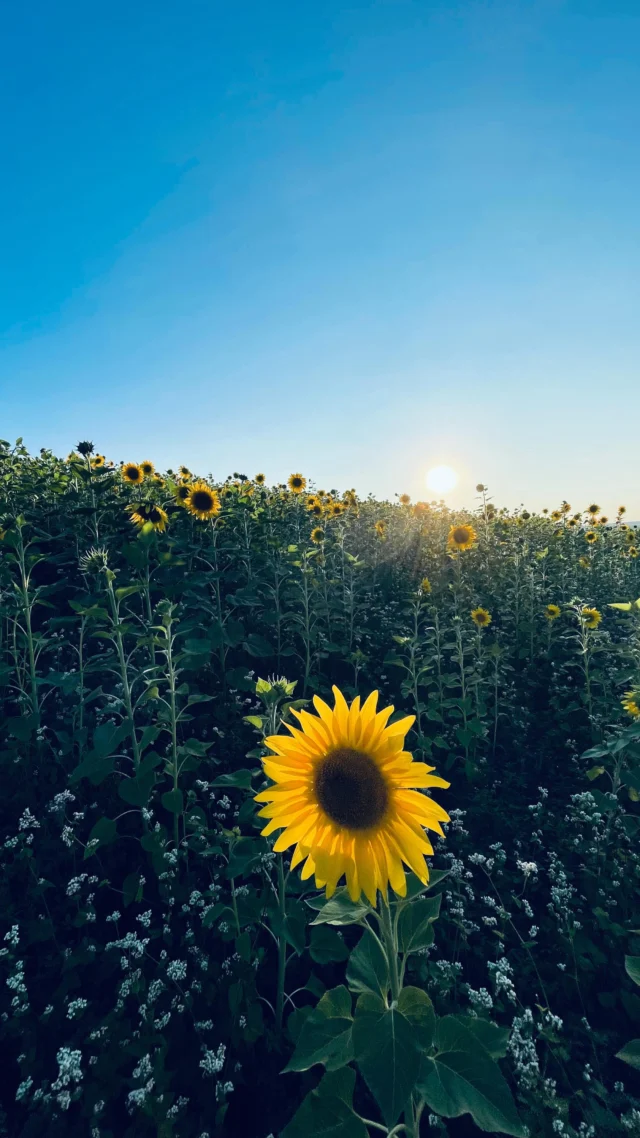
{"type": "Point", "coordinates": [441, 479]}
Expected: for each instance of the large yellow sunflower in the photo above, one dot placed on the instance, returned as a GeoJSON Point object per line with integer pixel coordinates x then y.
{"type": "Point", "coordinates": [591, 537]}
{"type": "Point", "coordinates": [147, 467]}
{"type": "Point", "coordinates": [591, 617]}
{"type": "Point", "coordinates": [98, 461]}
{"type": "Point", "coordinates": [593, 509]}
{"type": "Point", "coordinates": [631, 703]}
{"type": "Point", "coordinates": [182, 492]}
{"type": "Point", "coordinates": [461, 537]}
{"type": "Point", "coordinates": [202, 501]}
{"type": "Point", "coordinates": [481, 617]}
{"type": "Point", "coordinates": [317, 535]}
{"type": "Point", "coordinates": [132, 473]}
{"type": "Point", "coordinates": [296, 483]}
{"type": "Point", "coordinates": [147, 513]}
{"type": "Point", "coordinates": [344, 796]}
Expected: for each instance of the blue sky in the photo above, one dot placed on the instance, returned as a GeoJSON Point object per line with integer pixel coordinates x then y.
{"type": "Point", "coordinates": [352, 239]}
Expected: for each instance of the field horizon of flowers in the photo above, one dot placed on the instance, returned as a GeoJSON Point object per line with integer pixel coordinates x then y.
{"type": "Point", "coordinates": [242, 894]}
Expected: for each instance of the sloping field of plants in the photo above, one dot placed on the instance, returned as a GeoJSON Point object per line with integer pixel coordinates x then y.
{"type": "Point", "coordinates": [439, 932]}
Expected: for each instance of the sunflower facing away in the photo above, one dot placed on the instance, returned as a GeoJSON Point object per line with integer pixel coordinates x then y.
{"type": "Point", "coordinates": [631, 703]}
{"type": "Point", "coordinates": [380, 527]}
{"type": "Point", "coordinates": [344, 796]}
{"type": "Point", "coordinates": [147, 513]}
{"type": "Point", "coordinates": [461, 537]}
{"type": "Point", "coordinates": [296, 483]}
{"type": "Point", "coordinates": [132, 473]}
{"type": "Point", "coordinates": [317, 535]}
{"type": "Point", "coordinates": [552, 612]}
{"type": "Point", "coordinates": [202, 501]}
{"type": "Point", "coordinates": [481, 617]}
{"type": "Point", "coordinates": [591, 617]}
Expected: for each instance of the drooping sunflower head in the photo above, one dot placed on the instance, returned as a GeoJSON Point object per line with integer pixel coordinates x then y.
{"type": "Point", "coordinates": [481, 617]}
{"type": "Point", "coordinates": [584, 563]}
{"type": "Point", "coordinates": [148, 513]}
{"type": "Point", "coordinates": [591, 536]}
{"type": "Point", "coordinates": [425, 585]}
{"type": "Point", "coordinates": [202, 501]}
{"type": "Point", "coordinates": [420, 509]}
{"type": "Point", "coordinates": [591, 617]}
{"type": "Point", "coordinates": [296, 483]}
{"type": "Point", "coordinates": [182, 493]}
{"type": "Point", "coordinates": [259, 479]}
{"type": "Point", "coordinates": [317, 535]}
{"type": "Point", "coordinates": [380, 527]}
{"type": "Point", "coordinates": [593, 509]}
{"type": "Point", "coordinates": [98, 461]}
{"type": "Point", "coordinates": [405, 499]}
{"type": "Point", "coordinates": [158, 481]}
{"type": "Point", "coordinates": [132, 473]}
{"type": "Point", "coordinates": [461, 537]}
{"type": "Point", "coordinates": [147, 468]}
{"type": "Point", "coordinates": [344, 795]}
{"type": "Point", "coordinates": [631, 703]}
{"type": "Point", "coordinates": [552, 612]}
{"type": "Point", "coordinates": [350, 498]}
{"type": "Point", "coordinates": [630, 536]}
{"type": "Point", "coordinates": [565, 507]}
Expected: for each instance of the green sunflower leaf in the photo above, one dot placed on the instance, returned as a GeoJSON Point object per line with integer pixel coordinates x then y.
{"type": "Point", "coordinates": [325, 1036]}
{"type": "Point", "coordinates": [327, 1112]}
{"type": "Point", "coordinates": [630, 1053]}
{"type": "Point", "coordinates": [367, 970]}
{"type": "Point", "coordinates": [386, 1048]}
{"type": "Point", "coordinates": [632, 966]}
{"type": "Point", "coordinates": [462, 1078]}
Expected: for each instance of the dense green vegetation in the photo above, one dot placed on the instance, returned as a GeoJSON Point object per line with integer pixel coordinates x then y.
{"type": "Point", "coordinates": [164, 973]}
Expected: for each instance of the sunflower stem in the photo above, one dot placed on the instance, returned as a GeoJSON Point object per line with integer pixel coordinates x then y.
{"type": "Point", "coordinates": [390, 941]}
{"type": "Point", "coordinates": [282, 945]}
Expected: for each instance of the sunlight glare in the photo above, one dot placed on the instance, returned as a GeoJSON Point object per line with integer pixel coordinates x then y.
{"type": "Point", "coordinates": [441, 479]}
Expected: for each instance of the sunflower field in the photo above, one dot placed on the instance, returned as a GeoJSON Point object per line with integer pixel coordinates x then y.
{"type": "Point", "coordinates": [320, 815]}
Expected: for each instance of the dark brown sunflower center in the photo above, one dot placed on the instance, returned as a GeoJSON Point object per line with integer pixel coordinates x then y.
{"type": "Point", "coordinates": [133, 473]}
{"type": "Point", "coordinates": [460, 535]}
{"type": "Point", "coordinates": [351, 789]}
{"type": "Point", "coordinates": [154, 515]}
{"type": "Point", "coordinates": [201, 500]}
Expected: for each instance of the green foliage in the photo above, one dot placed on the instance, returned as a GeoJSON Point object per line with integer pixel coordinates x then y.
{"type": "Point", "coordinates": [165, 974]}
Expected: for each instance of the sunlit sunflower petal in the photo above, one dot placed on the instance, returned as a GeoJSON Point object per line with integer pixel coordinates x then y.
{"type": "Point", "coordinates": [346, 795]}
